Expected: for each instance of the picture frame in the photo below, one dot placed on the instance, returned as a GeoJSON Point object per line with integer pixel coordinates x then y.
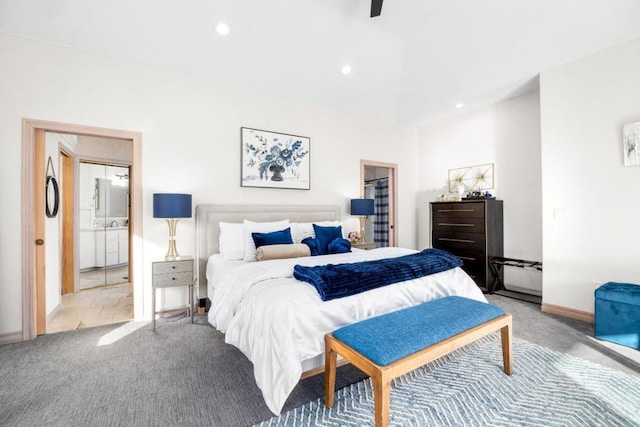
{"type": "Point", "coordinates": [274, 160]}
{"type": "Point", "coordinates": [631, 144]}
{"type": "Point", "coordinates": [473, 178]}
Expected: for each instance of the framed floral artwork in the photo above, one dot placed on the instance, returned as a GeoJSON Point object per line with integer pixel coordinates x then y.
{"type": "Point", "coordinates": [274, 160]}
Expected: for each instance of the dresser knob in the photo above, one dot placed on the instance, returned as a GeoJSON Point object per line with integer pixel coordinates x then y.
{"type": "Point", "coordinates": [173, 266]}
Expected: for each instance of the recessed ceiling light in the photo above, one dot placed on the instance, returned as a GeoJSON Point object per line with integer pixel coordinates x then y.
{"type": "Point", "coordinates": [459, 105]}
{"type": "Point", "coordinates": [222, 28]}
{"type": "Point", "coordinates": [346, 69]}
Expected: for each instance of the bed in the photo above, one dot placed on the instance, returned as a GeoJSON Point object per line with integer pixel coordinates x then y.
{"type": "Point", "coordinates": [278, 322]}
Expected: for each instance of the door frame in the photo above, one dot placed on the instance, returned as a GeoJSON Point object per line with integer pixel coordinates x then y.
{"type": "Point", "coordinates": [393, 194]}
{"type": "Point", "coordinates": [33, 167]}
{"type": "Point", "coordinates": [68, 272]}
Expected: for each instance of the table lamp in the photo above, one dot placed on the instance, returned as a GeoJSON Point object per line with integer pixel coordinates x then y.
{"type": "Point", "coordinates": [362, 208]}
{"type": "Point", "coordinates": [172, 206]}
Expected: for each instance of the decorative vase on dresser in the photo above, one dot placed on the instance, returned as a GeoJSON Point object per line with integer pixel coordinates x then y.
{"type": "Point", "coordinates": [472, 230]}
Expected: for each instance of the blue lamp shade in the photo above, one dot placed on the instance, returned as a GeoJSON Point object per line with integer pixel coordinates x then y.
{"type": "Point", "coordinates": [362, 207]}
{"type": "Point", "coordinates": [171, 205]}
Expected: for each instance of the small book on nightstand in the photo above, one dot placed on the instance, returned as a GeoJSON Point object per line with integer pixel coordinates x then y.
{"type": "Point", "coordinates": [363, 245]}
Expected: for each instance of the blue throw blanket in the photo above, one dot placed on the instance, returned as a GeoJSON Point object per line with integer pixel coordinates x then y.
{"type": "Point", "coordinates": [341, 280]}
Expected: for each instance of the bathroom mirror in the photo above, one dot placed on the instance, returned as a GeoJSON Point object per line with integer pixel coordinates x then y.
{"type": "Point", "coordinates": [111, 199]}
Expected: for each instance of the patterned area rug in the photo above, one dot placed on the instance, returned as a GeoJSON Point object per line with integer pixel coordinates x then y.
{"type": "Point", "coordinates": [469, 388]}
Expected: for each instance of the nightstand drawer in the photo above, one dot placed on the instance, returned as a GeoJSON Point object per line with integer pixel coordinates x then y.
{"type": "Point", "coordinates": [172, 279]}
{"type": "Point", "coordinates": [169, 274]}
{"type": "Point", "coordinates": [364, 245]}
{"type": "Point", "coordinates": [172, 266]}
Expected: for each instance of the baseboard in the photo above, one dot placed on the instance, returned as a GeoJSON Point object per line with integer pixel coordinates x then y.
{"type": "Point", "coordinates": [11, 338]}
{"type": "Point", "coordinates": [567, 312]}
{"type": "Point", "coordinates": [53, 313]}
{"type": "Point", "coordinates": [523, 290]}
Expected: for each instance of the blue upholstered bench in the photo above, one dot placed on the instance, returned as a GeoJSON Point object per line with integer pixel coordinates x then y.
{"type": "Point", "coordinates": [617, 313]}
{"type": "Point", "coordinates": [388, 346]}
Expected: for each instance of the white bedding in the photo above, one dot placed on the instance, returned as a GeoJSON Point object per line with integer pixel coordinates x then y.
{"type": "Point", "coordinates": [217, 269]}
{"type": "Point", "coordinates": [279, 322]}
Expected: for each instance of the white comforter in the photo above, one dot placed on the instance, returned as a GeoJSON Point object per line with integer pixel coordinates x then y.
{"type": "Point", "coordinates": [278, 322]}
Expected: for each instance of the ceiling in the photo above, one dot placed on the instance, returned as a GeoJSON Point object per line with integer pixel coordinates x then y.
{"type": "Point", "coordinates": [411, 65]}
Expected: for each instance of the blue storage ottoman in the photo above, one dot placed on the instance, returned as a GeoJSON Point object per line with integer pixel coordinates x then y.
{"type": "Point", "coordinates": [617, 313]}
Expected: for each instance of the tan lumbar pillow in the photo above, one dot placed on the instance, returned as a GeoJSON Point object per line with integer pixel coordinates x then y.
{"type": "Point", "coordinates": [294, 250]}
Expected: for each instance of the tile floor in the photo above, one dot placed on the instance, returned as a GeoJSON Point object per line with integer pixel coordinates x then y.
{"type": "Point", "coordinates": [100, 276]}
{"type": "Point", "coordinates": [94, 307]}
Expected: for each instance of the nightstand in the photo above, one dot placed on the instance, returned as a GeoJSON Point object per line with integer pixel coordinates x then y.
{"type": "Point", "coordinates": [169, 274]}
{"type": "Point", "coordinates": [363, 245]}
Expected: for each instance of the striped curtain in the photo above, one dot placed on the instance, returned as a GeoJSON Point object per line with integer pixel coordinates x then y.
{"type": "Point", "coordinates": [381, 223]}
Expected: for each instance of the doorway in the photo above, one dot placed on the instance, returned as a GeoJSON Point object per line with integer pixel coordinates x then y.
{"type": "Point", "coordinates": [34, 268]}
{"type": "Point", "coordinates": [378, 181]}
{"type": "Point", "coordinates": [95, 290]}
{"type": "Point", "coordinates": [103, 294]}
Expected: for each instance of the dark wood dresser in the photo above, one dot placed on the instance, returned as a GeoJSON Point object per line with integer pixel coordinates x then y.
{"type": "Point", "coordinates": [473, 231]}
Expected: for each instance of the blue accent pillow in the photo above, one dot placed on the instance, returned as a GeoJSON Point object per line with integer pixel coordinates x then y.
{"type": "Point", "coordinates": [339, 246]}
{"type": "Point", "coordinates": [326, 235]}
{"type": "Point", "coordinates": [281, 237]}
{"type": "Point", "coordinates": [312, 242]}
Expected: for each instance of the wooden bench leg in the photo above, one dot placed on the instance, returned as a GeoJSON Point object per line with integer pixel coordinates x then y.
{"type": "Point", "coordinates": [505, 333]}
{"type": "Point", "coordinates": [381, 398]}
{"type": "Point", "coordinates": [329, 372]}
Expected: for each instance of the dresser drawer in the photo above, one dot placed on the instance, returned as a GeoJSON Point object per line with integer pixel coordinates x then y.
{"type": "Point", "coordinates": [173, 266]}
{"type": "Point", "coordinates": [172, 279]}
{"type": "Point", "coordinates": [458, 210]}
{"type": "Point", "coordinates": [459, 243]}
{"type": "Point", "coordinates": [476, 269]}
{"type": "Point", "coordinates": [458, 224]}
{"type": "Point", "coordinates": [471, 257]}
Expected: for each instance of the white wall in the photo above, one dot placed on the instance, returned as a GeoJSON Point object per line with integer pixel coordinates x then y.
{"type": "Point", "coordinates": [591, 201]}
{"type": "Point", "coordinates": [191, 143]}
{"type": "Point", "coordinates": [53, 288]}
{"type": "Point", "coordinates": [508, 135]}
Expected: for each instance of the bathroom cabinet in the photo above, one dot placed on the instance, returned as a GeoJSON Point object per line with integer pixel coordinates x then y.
{"type": "Point", "coordinates": [112, 247]}
{"type": "Point", "coordinates": [88, 252]}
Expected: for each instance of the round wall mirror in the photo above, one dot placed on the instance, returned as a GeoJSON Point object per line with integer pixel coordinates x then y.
{"type": "Point", "coordinates": [52, 197]}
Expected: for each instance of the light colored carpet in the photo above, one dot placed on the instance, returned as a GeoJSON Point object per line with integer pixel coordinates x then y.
{"type": "Point", "coordinates": [469, 388]}
{"type": "Point", "coordinates": [185, 374]}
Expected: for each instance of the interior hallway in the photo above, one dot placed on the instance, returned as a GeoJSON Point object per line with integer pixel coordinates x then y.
{"type": "Point", "coordinates": [94, 306]}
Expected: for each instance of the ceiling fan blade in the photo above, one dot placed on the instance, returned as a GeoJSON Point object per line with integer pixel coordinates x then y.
{"type": "Point", "coordinates": [376, 8]}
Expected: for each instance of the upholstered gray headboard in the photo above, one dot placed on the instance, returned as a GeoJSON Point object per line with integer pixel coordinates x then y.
{"type": "Point", "coordinates": [208, 218]}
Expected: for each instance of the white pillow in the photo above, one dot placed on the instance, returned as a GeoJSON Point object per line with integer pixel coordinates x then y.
{"type": "Point", "coordinates": [302, 230]}
{"type": "Point", "coordinates": [231, 240]}
{"type": "Point", "coordinates": [258, 227]}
